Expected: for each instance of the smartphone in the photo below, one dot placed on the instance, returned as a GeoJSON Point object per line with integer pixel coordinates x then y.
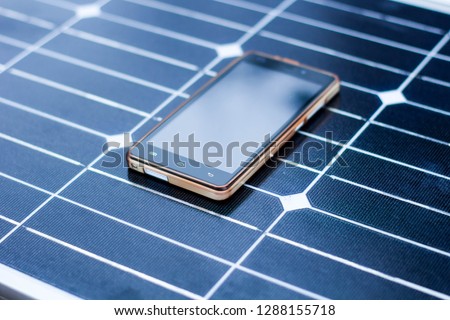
{"type": "Point", "coordinates": [217, 139]}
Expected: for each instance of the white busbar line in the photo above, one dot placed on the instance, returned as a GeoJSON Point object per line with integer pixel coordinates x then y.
{"type": "Point", "coordinates": [32, 48]}
{"type": "Point", "coordinates": [372, 154]}
{"type": "Point", "coordinates": [19, 16]}
{"type": "Point", "coordinates": [371, 189]}
{"type": "Point", "coordinates": [107, 71]}
{"type": "Point", "coordinates": [326, 26]}
{"type": "Point", "coordinates": [80, 93]}
{"type": "Point", "coordinates": [39, 149]}
{"type": "Point", "coordinates": [243, 224]}
{"type": "Point", "coordinates": [80, 173]}
{"type": "Point", "coordinates": [385, 233]}
{"type": "Point", "coordinates": [377, 15]}
{"type": "Point", "coordinates": [157, 30]}
{"type": "Point", "coordinates": [13, 222]}
{"type": "Point", "coordinates": [116, 265]}
{"type": "Point", "coordinates": [271, 15]}
{"type": "Point", "coordinates": [425, 61]}
{"type": "Point", "coordinates": [425, 107]}
{"type": "Point", "coordinates": [129, 48]}
{"type": "Point", "coordinates": [355, 265]}
{"type": "Point", "coordinates": [191, 14]}
{"type": "Point", "coordinates": [408, 132]}
{"type": "Point", "coordinates": [390, 195]}
{"type": "Point", "coordinates": [331, 52]}
{"type": "Point", "coordinates": [48, 116]}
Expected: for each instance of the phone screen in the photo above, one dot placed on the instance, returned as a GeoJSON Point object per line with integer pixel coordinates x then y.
{"type": "Point", "coordinates": [221, 130]}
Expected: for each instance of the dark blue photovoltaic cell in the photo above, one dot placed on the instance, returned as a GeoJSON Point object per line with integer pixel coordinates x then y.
{"type": "Point", "coordinates": [431, 94]}
{"type": "Point", "coordinates": [7, 52]}
{"type": "Point", "coordinates": [376, 27]}
{"type": "Point", "coordinates": [18, 210]}
{"type": "Point", "coordinates": [153, 42]}
{"type": "Point", "coordinates": [421, 121]}
{"type": "Point", "coordinates": [122, 61]}
{"type": "Point", "coordinates": [321, 275]}
{"type": "Point", "coordinates": [348, 70]}
{"type": "Point", "coordinates": [446, 49]}
{"type": "Point", "coordinates": [354, 101]}
{"type": "Point", "coordinates": [365, 247]}
{"type": "Point", "coordinates": [274, 178]}
{"type": "Point", "coordinates": [406, 148]}
{"type": "Point", "coordinates": [395, 179]}
{"type": "Point", "coordinates": [243, 286]}
{"type": "Point", "coordinates": [270, 3]}
{"type": "Point", "coordinates": [5, 227]}
{"type": "Point", "coordinates": [399, 10]}
{"type": "Point", "coordinates": [378, 226]}
{"type": "Point", "coordinates": [39, 10]}
{"type": "Point", "coordinates": [358, 48]}
{"type": "Point", "coordinates": [68, 106]}
{"type": "Point", "coordinates": [220, 10]}
{"type": "Point", "coordinates": [56, 137]}
{"type": "Point", "coordinates": [21, 162]}
{"type": "Point", "coordinates": [164, 216]}
{"type": "Point", "coordinates": [121, 91]}
{"type": "Point", "coordinates": [437, 69]}
{"type": "Point", "coordinates": [382, 212]}
{"type": "Point", "coordinates": [192, 27]}
{"type": "Point", "coordinates": [75, 272]}
{"type": "Point", "coordinates": [255, 208]}
{"type": "Point", "coordinates": [309, 152]}
{"type": "Point", "coordinates": [128, 246]}
{"type": "Point", "coordinates": [20, 30]}
{"type": "Point", "coordinates": [332, 126]}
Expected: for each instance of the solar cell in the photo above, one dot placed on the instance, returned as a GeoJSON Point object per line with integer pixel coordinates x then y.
{"type": "Point", "coordinates": [431, 95]}
{"type": "Point", "coordinates": [354, 23]}
{"type": "Point", "coordinates": [322, 275]}
{"type": "Point", "coordinates": [244, 286]}
{"type": "Point", "coordinates": [417, 120]}
{"type": "Point", "coordinates": [368, 220]}
{"type": "Point", "coordinates": [38, 10]}
{"type": "Point", "coordinates": [445, 50]}
{"type": "Point", "coordinates": [7, 52]}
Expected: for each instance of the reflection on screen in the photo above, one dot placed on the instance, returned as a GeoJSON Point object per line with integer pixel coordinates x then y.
{"type": "Point", "coordinates": [244, 107]}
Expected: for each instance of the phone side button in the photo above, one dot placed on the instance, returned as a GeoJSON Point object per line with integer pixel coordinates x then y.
{"type": "Point", "coordinates": [155, 174]}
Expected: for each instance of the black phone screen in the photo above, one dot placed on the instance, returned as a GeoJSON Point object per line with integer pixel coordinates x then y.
{"type": "Point", "coordinates": [222, 129]}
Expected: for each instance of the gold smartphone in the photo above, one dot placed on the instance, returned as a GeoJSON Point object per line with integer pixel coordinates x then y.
{"type": "Point", "coordinates": [217, 139]}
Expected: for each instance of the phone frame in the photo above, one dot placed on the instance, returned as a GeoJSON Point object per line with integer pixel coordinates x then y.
{"type": "Point", "coordinates": [225, 191]}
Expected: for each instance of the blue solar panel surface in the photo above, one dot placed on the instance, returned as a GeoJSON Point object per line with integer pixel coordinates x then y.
{"type": "Point", "coordinates": [368, 219]}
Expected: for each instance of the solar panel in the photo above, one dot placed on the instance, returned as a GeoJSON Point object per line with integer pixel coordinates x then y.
{"type": "Point", "coordinates": [363, 215]}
